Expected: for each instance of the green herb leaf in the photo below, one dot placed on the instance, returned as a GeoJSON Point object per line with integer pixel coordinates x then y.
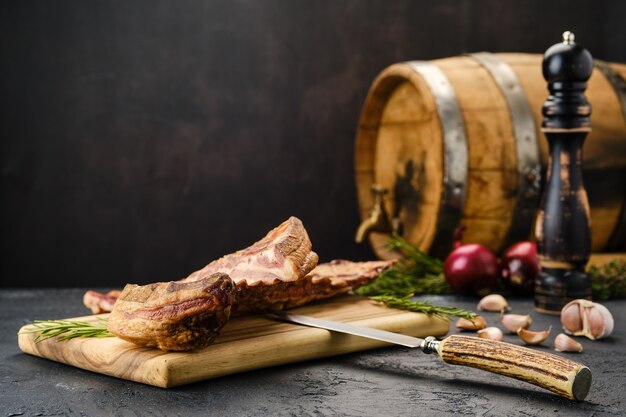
{"type": "Point", "coordinates": [425, 307]}
{"type": "Point", "coordinates": [608, 281]}
{"type": "Point", "coordinates": [68, 329]}
{"type": "Point", "coordinates": [417, 273]}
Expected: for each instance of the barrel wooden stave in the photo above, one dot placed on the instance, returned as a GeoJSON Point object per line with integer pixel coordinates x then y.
{"type": "Point", "coordinates": [492, 178]}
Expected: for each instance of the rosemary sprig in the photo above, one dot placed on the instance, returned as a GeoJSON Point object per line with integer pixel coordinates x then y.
{"type": "Point", "coordinates": [417, 273]}
{"type": "Point", "coordinates": [401, 281]}
{"type": "Point", "coordinates": [67, 329]}
{"type": "Point", "coordinates": [427, 263]}
{"type": "Point", "coordinates": [425, 307]}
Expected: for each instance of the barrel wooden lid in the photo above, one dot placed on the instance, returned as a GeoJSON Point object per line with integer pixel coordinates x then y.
{"type": "Point", "coordinates": [400, 147]}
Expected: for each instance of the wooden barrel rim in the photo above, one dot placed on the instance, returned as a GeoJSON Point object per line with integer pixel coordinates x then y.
{"type": "Point", "coordinates": [371, 113]}
{"type": "Point", "coordinates": [454, 143]}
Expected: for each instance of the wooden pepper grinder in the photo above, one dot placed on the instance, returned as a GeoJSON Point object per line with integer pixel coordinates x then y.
{"type": "Point", "coordinates": [562, 226]}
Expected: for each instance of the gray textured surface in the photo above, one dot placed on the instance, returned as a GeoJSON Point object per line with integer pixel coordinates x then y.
{"type": "Point", "coordinates": [390, 381]}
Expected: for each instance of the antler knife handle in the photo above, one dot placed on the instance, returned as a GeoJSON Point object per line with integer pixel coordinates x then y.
{"type": "Point", "coordinates": [554, 373]}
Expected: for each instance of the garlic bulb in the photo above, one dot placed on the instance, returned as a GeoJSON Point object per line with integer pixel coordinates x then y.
{"type": "Point", "coordinates": [514, 322]}
{"type": "Point", "coordinates": [493, 302]}
{"type": "Point", "coordinates": [563, 343]}
{"type": "Point", "coordinates": [492, 333]}
{"type": "Point", "coordinates": [533, 338]}
{"type": "Point", "coordinates": [477, 324]}
{"type": "Point", "coordinates": [586, 318]}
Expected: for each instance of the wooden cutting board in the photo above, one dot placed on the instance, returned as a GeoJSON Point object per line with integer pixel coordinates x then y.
{"type": "Point", "coordinates": [245, 343]}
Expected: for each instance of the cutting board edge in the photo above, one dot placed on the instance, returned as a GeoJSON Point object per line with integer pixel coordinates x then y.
{"type": "Point", "coordinates": [153, 371]}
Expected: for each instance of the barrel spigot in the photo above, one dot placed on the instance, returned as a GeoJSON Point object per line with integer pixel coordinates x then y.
{"type": "Point", "coordinates": [378, 220]}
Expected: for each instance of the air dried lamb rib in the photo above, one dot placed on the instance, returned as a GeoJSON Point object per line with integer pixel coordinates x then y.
{"type": "Point", "coordinates": [283, 255]}
{"type": "Point", "coordinates": [326, 280]}
{"type": "Point", "coordinates": [100, 303]}
{"type": "Point", "coordinates": [173, 315]}
{"type": "Point", "coordinates": [188, 314]}
{"type": "Point", "coordinates": [271, 274]}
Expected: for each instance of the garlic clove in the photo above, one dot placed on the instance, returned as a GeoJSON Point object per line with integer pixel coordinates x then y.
{"type": "Point", "coordinates": [533, 338]}
{"type": "Point", "coordinates": [477, 324]}
{"type": "Point", "coordinates": [492, 333]}
{"type": "Point", "coordinates": [595, 322]}
{"type": "Point", "coordinates": [607, 319]}
{"type": "Point", "coordinates": [564, 343]}
{"type": "Point", "coordinates": [571, 317]}
{"type": "Point", "coordinates": [514, 322]}
{"type": "Point", "coordinates": [493, 302]}
{"type": "Point", "coordinates": [586, 318]}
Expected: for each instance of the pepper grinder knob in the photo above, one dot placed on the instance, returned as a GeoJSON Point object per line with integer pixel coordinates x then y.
{"type": "Point", "coordinates": [562, 227]}
{"type": "Point", "coordinates": [566, 67]}
{"type": "Point", "coordinates": [568, 37]}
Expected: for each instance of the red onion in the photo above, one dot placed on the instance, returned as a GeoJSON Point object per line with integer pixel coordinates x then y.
{"type": "Point", "coordinates": [520, 267]}
{"type": "Point", "coordinates": [471, 269]}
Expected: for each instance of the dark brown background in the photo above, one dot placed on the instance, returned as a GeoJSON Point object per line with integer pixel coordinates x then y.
{"type": "Point", "coordinates": [141, 139]}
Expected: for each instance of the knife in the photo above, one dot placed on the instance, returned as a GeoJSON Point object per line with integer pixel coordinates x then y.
{"type": "Point", "coordinates": [563, 376]}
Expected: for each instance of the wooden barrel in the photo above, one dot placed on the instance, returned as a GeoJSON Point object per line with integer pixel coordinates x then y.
{"type": "Point", "coordinates": [458, 141]}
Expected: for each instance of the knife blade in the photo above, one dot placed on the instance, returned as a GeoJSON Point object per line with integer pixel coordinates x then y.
{"type": "Point", "coordinates": [370, 333]}
{"type": "Point", "coordinates": [557, 374]}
